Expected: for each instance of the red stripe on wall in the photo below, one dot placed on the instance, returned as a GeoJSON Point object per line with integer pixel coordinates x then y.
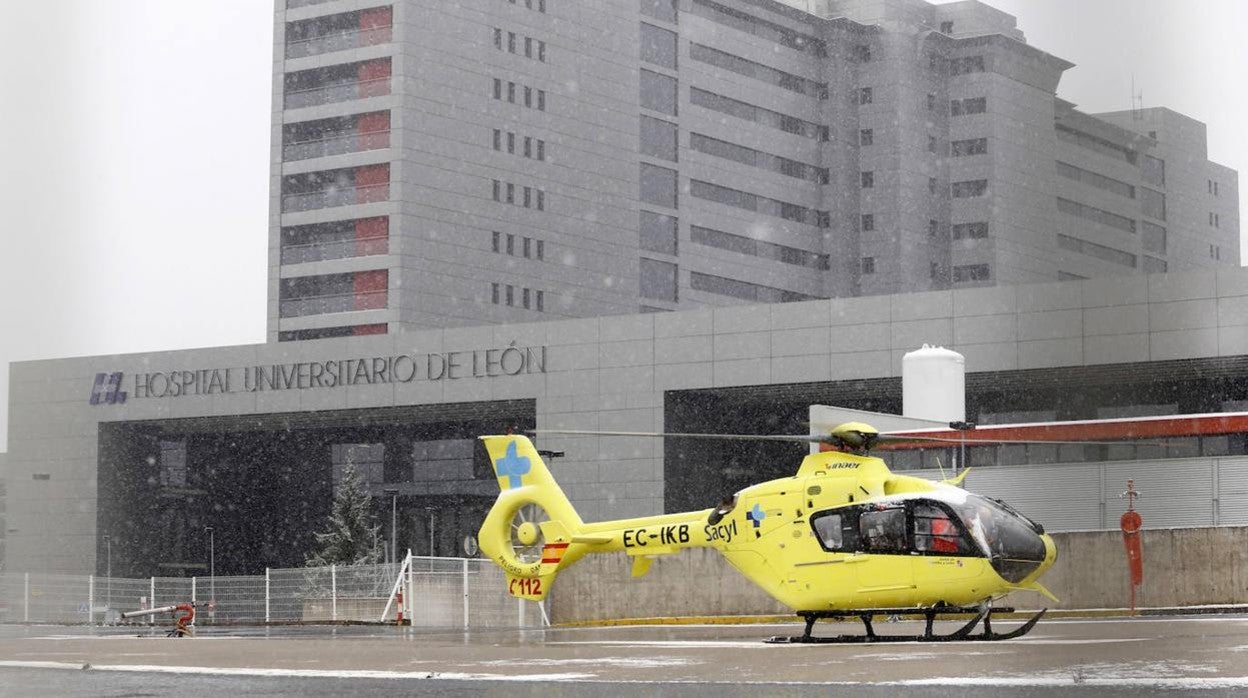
{"type": "Point", "coordinates": [372, 236]}
{"type": "Point", "coordinates": [371, 289]}
{"type": "Point", "coordinates": [372, 183]}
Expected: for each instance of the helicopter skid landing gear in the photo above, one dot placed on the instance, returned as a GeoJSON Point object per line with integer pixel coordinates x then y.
{"type": "Point", "coordinates": [962, 634]}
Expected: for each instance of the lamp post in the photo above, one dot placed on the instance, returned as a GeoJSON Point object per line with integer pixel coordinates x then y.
{"type": "Point", "coordinates": [430, 510]}
{"type": "Point", "coordinates": [212, 568]}
{"type": "Point", "coordinates": [108, 571]}
{"type": "Point", "coordinates": [394, 509]}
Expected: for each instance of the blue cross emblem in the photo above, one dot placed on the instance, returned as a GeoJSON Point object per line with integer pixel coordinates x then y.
{"type": "Point", "coordinates": [756, 515]}
{"type": "Point", "coordinates": [512, 466]}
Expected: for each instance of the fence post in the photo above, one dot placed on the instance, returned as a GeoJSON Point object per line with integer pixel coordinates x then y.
{"type": "Point", "coordinates": [465, 593]}
{"type": "Point", "coordinates": [333, 592]}
{"type": "Point", "coordinates": [26, 599]}
{"type": "Point", "coordinates": [152, 595]}
{"type": "Point", "coordinates": [91, 599]}
{"type": "Point", "coordinates": [194, 588]}
{"type": "Point", "coordinates": [266, 594]}
{"type": "Point", "coordinates": [411, 586]}
{"type": "Point", "coordinates": [520, 612]}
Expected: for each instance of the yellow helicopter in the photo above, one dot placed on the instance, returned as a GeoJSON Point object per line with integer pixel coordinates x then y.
{"type": "Point", "coordinates": [843, 537]}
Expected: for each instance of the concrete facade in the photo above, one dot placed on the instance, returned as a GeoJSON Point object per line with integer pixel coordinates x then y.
{"type": "Point", "coordinates": [611, 373]}
{"type": "Point", "coordinates": [445, 165]}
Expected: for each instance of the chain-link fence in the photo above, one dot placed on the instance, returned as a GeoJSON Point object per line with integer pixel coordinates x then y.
{"type": "Point", "coordinates": [439, 592]}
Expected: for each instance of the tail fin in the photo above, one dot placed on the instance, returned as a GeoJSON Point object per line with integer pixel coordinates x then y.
{"type": "Point", "coordinates": [529, 530]}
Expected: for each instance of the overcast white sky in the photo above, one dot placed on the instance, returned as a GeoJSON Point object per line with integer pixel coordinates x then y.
{"type": "Point", "coordinates": [134, 152]}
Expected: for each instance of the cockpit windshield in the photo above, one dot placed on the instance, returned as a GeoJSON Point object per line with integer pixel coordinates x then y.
{"type": "Point", "coordinates": [1009, 539]}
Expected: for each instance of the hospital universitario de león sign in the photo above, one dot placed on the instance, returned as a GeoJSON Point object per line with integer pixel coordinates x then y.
{"type": "Point", "coordinates": [511, 360]}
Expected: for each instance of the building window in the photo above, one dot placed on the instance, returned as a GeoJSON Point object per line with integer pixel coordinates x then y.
{"type": "Point", "coordinates": [657, 232]}
{"type": "Point", "coordinates": [865, 95]}
{"type": "Point", "coordinates": [511, 193]}
{"type": "Point", "coordinates": [528, 97]}
{"type": "Point", "coordinates": [524, 298]}
{"type": "Point", "coordinates": [868, 222]}
{"type": "Point", "coordinates": [968, 189]}
{"type": "Point", "coordinates": [931, 102]}
{"type": "Point", "coordinates": [541, 150]}
{"type": "Point", "coordinates": [511, 92]}
{"type": "Point", "coordinates": [1096, 215]}
{"type": "Point", "coordinates": [1153, 203]}
{"type": "Point", "coordinates": [541, 251]}
{"type": "Point", "coordinates": [1092, 249]}
{"type": "Point", "coordinates": [658, 280]}
{"type": "Point", "coordinates": [658, 138]}
{"type": "Point", "coordinates": [758, 248]}
{"type": "Point", "coordinates": [541, 52]}
{"type": "Point", "coordinates": [1153, 171]}
{"type": "Point", "coordinates": [658, 46]}
{"type": "Point", "coordinates": [511, 143]}
{"type": "Point", "coordinates": [541, 301]}
{"type": "Point", "coordinates": [973, 146]}
{"type": "Point", "coordinates": [758, 71]}
{"type": "Point", "coordinates": [511, 294]}
{"type": "Point", "coordinates": [658, 92]}
{"type": "Point", "coordinates": [964, 231]}
{"type": "Point", "coordinates": [528, 147]}
{"type": "Point", "coordinates": [511, 42]}
{"type": "Point", "coordinates": [495, 238]}
{"type": "Point", "coordinates": [971, 272]}
{"type": "Point", "coordinates": [931, 144]}
{"type": "Point", "coordinates": [933, 227]}
{"type": "Point", "coordinates": [660, 9]}
{"type": "Point", "coordinates": [970, 105]}
{"type": "Point", "coordinates": [498, 88]}
{"type": "Point", "coordinates": [494, 293]}
{"type": "Point", "coordinates": [932, 185]}
{"type": "Point", "coordinates": [966, 64]}
{"type": "Point", "coordinates": [1152, 237]}
{"type": "Point", "coordinates": [497, 188]}
{"type": "Point", "coordinates": [868, 180]}
{"type": "Point", "coordinates": [528, 47]}
{"type": "Point", "coordinates": [528, 197]}
{"type": "Point", "coordinates": [498, 139]}
{"type": "Point", "coordinates": [866, 136]}
{"type": "Point", "coordinates": [511, 244]}
{"type": "Point", "coordinates": [541, 200]}
{"type": "Point", "coordinates": [868, 265]}
{"type": "Point", "coordinates": [862, 53]}
{"type": "Point", "coordinates": [658, 185]}
{"type": "Point", "coordinates": [541, 100]}
{"type": "Point", "coordinates": [946, 27]}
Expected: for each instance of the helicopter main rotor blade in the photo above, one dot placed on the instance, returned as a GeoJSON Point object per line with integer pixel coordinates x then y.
{"type": "Point", "coordinates": [895, 438]}
{"type": "Point", "coordinates": [791, 438]}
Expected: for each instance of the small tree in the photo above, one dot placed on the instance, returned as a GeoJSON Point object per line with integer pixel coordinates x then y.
{"type": "Point", "coordinates": [354, 536]}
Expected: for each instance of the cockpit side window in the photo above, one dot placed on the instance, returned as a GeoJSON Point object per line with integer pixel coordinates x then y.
{"type": "Point", "coordinates": [937, 533]}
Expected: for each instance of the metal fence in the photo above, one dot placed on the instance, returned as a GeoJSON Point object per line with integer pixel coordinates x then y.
{"type": "Point", "coordinates": [442, 593]}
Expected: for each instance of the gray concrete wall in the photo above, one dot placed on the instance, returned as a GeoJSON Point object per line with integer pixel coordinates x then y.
{"type": "Point", "coordinates": [1182, 567]}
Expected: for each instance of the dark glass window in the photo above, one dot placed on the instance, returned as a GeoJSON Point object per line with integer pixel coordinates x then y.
{"type": "Point", "coordinates": [658, 46]}
{"type": "Point", "coordinates": [657, 232]}
{"type": "Point", "coordinates": [658, 185]}
{"type": "Point", "coordinates": [658, 138]}
{"type": "Point", "coordinates": [658, 92]}
{"type": "Point", "coordinates": [658, 279]}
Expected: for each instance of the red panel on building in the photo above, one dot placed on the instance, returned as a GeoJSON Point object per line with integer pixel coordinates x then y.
{"type": "Point", "coordinates": [373, 130]}
{"type": "Point", "coordinates": [370, 289]}
{"type": "Point", "coordinates": [372, 183]}
{"type": "Point", "coordinates": [374, 78]}
{"type": "Point", "coordinates": [375, 26]}
{"type": "Point", "coordinates": [360, 330]}
{"type": "Point", "coordinates": [372, 236]}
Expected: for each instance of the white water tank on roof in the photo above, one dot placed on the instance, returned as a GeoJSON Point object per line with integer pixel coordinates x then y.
{"type": "Point", "coordinates": [933, 384]}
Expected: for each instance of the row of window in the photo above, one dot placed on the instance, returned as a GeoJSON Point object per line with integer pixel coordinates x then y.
{"type": "Point", "coordinates": [968, 189]}
{"type": "Point", "coordinates": [1153, 237]}
{"type": "Point", "coordinates": [657, 232]}
{"type": "Point", "coordinates": [1093, 179]}
{"type": "Point", "coordinates": [759, 204]}
{"type": "Point", "coordinates": [1096, 215]}
{"type": "Point", "coordinates": [1215, 220]}
{"type": "Point", "coordinates": [1095, 143]}
{"type": "Point", "coordinates": [345, 186]}
{"type": "Point", "coordinates": [325, 332]}
{"type": "Point", "coordinates": [744, 290]}
{"type": "Point", "coordinates": [757, 158]}
{"type": "Point", "coordinates": [1213, 187]}
{"type": "Point", "coordinates": [758, 248]}
{"type": "Point", "coordinates": [759, 115]}
{"type": "Point", "coordinates": [658, 92]}
{"type": "Point", "coordinates": [336, 135]}
{"type": "Point", "coordinates": [971, 272]}
{"type": "Point", "coordinates": [969, 231]}
{"type": "Point", "coordinates": [527, 298]}
{"type": "Point", "coordinates": [758, 71]}
{"type": "Point", "coordinates": [531, 147]}
{"type": "Point", "coordinates": [532, 197]}
{"type": "Point", "coordinates": [756, 26]}
{"type": "Point", "coordinates": [340, 32]}
{"type": "Point", "coordinates": [336, 83]}
{"type": "Point", "coordinates": [533, 48]}
{"type": "Point", "coordinates": [316, 242]}
{"type": "Point", "coordinates": [510, 94]}
{"type": "Point", "coordinates": [658, 138]}
{"type": "Point", "coordinates": [333, 293]}
{"type": "Point", "coordinates": [1092, 249]}
{"type": "Point", "coordinates": [1215, 251]}
{"type": "Point", "coordinates": [529, 248]}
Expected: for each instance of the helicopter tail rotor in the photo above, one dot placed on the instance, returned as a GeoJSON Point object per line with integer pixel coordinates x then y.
{"type": "Point", "coordinates": [529, 530]}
